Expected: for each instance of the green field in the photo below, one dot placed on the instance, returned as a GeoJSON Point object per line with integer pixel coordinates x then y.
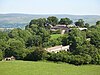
{"type": "Point", "coordinates": [55, 36]}
{"type": "Point", "coordinates": [45, 68]}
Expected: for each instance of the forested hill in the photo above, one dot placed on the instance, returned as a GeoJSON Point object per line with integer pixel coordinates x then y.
{"type": "Point", "coordinates": [21, 20]}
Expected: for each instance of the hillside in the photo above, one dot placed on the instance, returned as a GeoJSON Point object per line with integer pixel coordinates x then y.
{"type": "Point", "coordinates": [21, 20]}
{"type": "Point", "coordinates": [46, 68]}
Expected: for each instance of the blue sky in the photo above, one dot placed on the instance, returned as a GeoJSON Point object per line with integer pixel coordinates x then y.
{"type": "Point", "coordinates": [75, 7]}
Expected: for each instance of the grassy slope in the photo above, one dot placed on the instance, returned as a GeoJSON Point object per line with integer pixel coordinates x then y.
{"type": "Point", "coordinates": [46, 68]}
{"type": "Point", "coordinates": [55, 36]}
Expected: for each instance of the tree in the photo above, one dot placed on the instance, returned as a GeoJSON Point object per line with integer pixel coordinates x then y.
{"type": "Point", "coordinates": [89, 52]}
{"type": "Point", "coordinates": [87, 59]}
{"type": "Point", "coordinates": [14, 33]}
{"type": "Point", "coordinates": [24, 34]}
{"type": "Point", "coordinates": [40, 36]}
{"type": "Point", "coordinates": [1, 55]}
{"type": "Point", "coordinates": [16, 48]}
{"type": "Point", "coordinates": [98, 23]}
{"type": "Point", "coordinates": [86, 25]}
{"type": "Point", "coordinates": [52, 20]}
{"type": "Point", "coordinates": [40, 22]}
{"type": "Point", "coordinates": [38, 54]}
{"type": "Point", "coordinates": [95, 39]}
{"type": "Point", "coordinates": [65, 21]}
{"type": "Point", "coordinates": [65, 40]}
{"type": "Point", "coordinates": [76, 60]}
{"type": "Point", "coordinates": [76, 38]}
{"type": "Point", "coordinates": [62, 56]}
{"type": "Point", "coordinates": [34, 21]}
{"type": "Point", "coordinates": [95, 36]}
{"type": "Point", "coordinates": [4, 36]}
{"type": "Point", "coordinates": [3, 43]}
{"type": "Point", "coordinates": [36, 40]}
{"type": "Point", "coordinates": [80, 59]}
{"type": "Point", "coordinates": [3, 46]}
{"type": "Point", "coordinates": [44, 33]}
{"type": "Point", "coordinates": [93, 52]}
{"type": "Point", "coordinates": [19, 34]}
{"type": "Point", "coordinates": [80, 23]}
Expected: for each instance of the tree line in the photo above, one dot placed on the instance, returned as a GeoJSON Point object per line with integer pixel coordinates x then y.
{"type": "Point", "coordinates": [29, 44]}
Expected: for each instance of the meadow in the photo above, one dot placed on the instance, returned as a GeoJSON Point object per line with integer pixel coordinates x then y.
{"type": "Point", "coordinates": [46, 68]}
{"type": "Point", "coordinates": [55, 36]}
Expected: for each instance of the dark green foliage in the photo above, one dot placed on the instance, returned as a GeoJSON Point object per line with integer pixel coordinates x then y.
{"type": "Point", "coordinates": [29, 44]}
{"type": "Point", "coordinates": [4, 36]}
{"type": "Point", "coordinates": [1, 55]}
{"type": "Point", "coordinates": [95, 39]}
{"type": "Point", "coordinates": [3, 44]}
{"type": "Point", "coordinates": [34, 41]}
{"type": "Point", "coordinates": [65, 40]}
{"type": "Point", "coordinates": [77, 60]}
{"type": "Point", "coordinates": [88, 51]}
{"type": "Point", "coordinates": [56, 32]}
{"type": "Point", "coordinates": [65, 21]}
{"type": "Point", "coordinates": [38, 54]}
{"type": "Point", "coordinates": [76, 38]}
{"type": "Point", "coordinates": [16, 48]}
{"type": "Point", "coordinates": [52, 20]}
{"type": "Point", "coordinates": [54, 42]}
{"type": "Point", "coordinates": [40, 36]}
{"type": "Point", "coordinates": [87, 25]}
{"type": "Point", "coordinates": [98, 23]}
{"type": "Point", "coordinates": [80, 23]}
{"type": "Point", "coordinates": [19, 34]}
{"type": "Point", "coordinates": [95, 36]}
{"type": "Point", "coordinates": [67, 57]}
{"type": "Point", "coordinates": [41, 22]}
{"type": "Point", "coordinates": [60, 56]}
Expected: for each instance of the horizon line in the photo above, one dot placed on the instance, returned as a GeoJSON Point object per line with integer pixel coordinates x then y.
{"type": "Point", "coordinates": [53, 14]}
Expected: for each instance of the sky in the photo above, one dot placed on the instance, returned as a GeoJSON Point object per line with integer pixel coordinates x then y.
{"type": "Point", "coordinates": [73, 7]}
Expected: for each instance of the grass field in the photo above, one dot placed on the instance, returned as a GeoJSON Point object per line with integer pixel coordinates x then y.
{"type": "Point", "coordinates": [54, 36]}
{"type": "Point", "coordinates": [45, 68]}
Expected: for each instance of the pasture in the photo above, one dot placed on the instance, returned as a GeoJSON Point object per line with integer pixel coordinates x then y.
{"type": "Point", "coordinates": [55, 36]}
{"type": "Point", "coordinates": [46, 68]}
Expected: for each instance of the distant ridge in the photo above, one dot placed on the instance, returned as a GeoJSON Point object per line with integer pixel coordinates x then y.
{"type": "Point", "coordinates": [15, 19]}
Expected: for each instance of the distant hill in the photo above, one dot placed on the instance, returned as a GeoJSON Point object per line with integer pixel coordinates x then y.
{"type": "Point", "coordinates": [21, 20]}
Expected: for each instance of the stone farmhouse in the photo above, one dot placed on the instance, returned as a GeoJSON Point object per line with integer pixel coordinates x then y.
{"type": "Point", "coordinates": [63, 28]}
{"type": "Point", "coordinates": [57, 48]}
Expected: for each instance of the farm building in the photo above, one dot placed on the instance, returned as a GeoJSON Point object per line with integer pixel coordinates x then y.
{"type": "Point", "coordinates": [63, 28]}
{"type": "Point", "coordinates": [58, 48]}
{"type": "Point", "coordinates": [10, 58]}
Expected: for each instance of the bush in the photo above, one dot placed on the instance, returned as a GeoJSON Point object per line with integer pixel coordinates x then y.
{"type": "Point", "coordinates": [1, 55]}
{"type": "Point", "coordinates": [38, 54]}
{"type": "Point", "coordinates": [76, 60]}
{"type": "Point", "coordinates": [62, 56]}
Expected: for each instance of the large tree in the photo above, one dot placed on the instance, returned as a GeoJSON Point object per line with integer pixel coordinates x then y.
{"type": "Point", "coordinates": [1, 55]}
{"type": "Point", "coordinates": [98, 23]}
{"type": "Point", "coordinates": [95, 36]}
{"type": "Point", "coordinates": [86, 25]}
{"type": "Point", "coordinates": [80, 23]}
{"type": "Point", "coordinates": [41, 22]}
{"type": "Point", "coordinates": [16, 48]}
{"type": "Point", "coordinates": [38, 54]}
{"type": "Point", "coordinates": [40, 35]}
{"type": "Point", "coordinates": [76, 38]}
{"type": "Point", "coordinates": [52, 20]}
{"type": "Point", "coordinates": [65, 21]}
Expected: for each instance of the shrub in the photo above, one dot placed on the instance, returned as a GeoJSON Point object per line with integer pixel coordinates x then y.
{"type": "Point", "coordinates": [1, 55]}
